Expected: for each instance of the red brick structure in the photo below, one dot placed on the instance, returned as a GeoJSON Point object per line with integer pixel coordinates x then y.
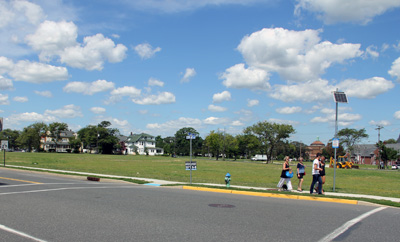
{"type": "Point", "coordinates": [314, 148]}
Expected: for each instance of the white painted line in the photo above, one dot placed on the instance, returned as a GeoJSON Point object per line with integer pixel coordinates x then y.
{"type": "Point", "coordinates": [61, 189]}
{"type": "Point", "coordinates": [350, 223]}
{"type": "Point", "coordinates": [19, 233]}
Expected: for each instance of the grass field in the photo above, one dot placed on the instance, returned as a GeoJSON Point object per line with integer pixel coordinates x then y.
{"type": "Point", "coordinates": [366, 180]}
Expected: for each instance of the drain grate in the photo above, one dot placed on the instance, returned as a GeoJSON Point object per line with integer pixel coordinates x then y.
{"type": "Point", "coordinates": [221, 205]}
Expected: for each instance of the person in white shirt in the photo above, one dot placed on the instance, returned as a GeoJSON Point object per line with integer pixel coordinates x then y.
{"type": "Point", "coordinates": [315, 173]}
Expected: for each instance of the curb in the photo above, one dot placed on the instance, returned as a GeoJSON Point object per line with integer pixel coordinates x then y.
{"type": "Point", "coordinates": [286, 196]}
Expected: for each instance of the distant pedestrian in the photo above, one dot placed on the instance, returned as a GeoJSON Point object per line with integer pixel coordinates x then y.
{"type": "Point", "coordinates": [284, 177]}
{"type": "Point", "coordinates": [315, 173]}
{"type": "Point", "coordinates": [322, 173]}
{"type": "Point", "coordinates": [301, 172]}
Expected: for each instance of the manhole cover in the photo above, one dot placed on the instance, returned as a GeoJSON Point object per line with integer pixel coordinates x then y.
{"type": "Point", "coordinates": [221, 205]}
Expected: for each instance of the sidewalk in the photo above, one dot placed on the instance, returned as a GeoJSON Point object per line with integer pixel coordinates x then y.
{"type": "Point", "coordinates": [157, 182]}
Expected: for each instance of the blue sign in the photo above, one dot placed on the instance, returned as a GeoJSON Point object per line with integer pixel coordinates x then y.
{"type": "Point", "coordinates": [335, 143]}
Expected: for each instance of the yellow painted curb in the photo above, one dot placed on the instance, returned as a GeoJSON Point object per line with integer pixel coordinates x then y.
{"type": "Point", "coordinates": [275, 195]}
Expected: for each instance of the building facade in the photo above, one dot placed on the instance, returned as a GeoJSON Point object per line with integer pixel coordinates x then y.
{"type": "Point", "coordinates": [315, 148]}
{"type": "Point", "coordinates": [60, 143]}
{"type": "Point", "coordinates": [142, 144]}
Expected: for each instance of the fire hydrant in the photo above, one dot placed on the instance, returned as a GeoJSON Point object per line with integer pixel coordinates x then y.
{"type": "Point", "coordinates": [227, 179]}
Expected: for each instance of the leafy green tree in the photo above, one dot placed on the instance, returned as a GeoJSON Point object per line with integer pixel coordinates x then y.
{"type": "Point", "coordinates": [386, 153]}
{"type": "Point", "coordinates": [11, 136]}
{"type": "Point", "coordinates": [75, 144]}
{"type": "Point", "coordinates": [169, 145]}
{"type": "Point", "coordinates": [31, 135]}
{"type": "Point", "coordinates": [182, 145]}
{"type": "Point", "coordinates": [89, 137]}
{"type": "Point", "coordinates": [231, 146]}
{"type": "Point", "coordinates": [350, 137]}
{"type": "Point", "coordinates": [269, 135]}
{"type": "Point", "coordinates": [248, 144]}
{"type": "Point", "coordinates": [390, 141]}
{"type": "Point", "coordinates": [107, 137]}
{"type": "Point", "coordinates": [214, 141]}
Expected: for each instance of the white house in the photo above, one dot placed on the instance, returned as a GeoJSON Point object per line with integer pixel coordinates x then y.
{"type": "Point", "coordinates": [142, 144]}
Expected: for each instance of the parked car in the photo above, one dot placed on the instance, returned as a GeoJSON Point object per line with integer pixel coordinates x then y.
{"type": "Point", "coordinates": [395, 167]}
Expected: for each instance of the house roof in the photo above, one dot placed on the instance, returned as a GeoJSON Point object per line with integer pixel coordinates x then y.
{"type": "Point", "coordinates": [394, 146]}
{"type": "Point", "coordinates": [364, 150]}
{"type": "Point", "coordinates": [317, 143]}
{"type": "Point", "coordinates": [140, 137]}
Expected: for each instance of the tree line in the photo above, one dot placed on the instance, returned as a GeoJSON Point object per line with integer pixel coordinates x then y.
{"type": "Point", "coordinates": [264, 138]}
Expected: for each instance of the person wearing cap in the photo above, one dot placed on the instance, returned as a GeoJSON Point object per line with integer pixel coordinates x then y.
{"type": "Point", "coordinates": [315, 173]}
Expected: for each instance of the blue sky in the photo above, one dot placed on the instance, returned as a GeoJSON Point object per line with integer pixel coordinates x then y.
{"type": "Point", "coordinates": [157, 66]}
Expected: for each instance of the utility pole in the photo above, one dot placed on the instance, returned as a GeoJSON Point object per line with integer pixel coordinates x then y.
{"type": "Point", "coordinates": [379, 141]}
{"type": "Point", "coordinates": [379, 132]}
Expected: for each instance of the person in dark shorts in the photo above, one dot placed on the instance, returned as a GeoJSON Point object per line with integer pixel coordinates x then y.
{"type": "Point", "coordinates": [301, 171]}
{"type": "Point", "coordinates": [322, 172]}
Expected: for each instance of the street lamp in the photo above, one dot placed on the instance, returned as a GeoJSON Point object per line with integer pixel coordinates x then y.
{"type": "Point", "coordinates": [339, 97]}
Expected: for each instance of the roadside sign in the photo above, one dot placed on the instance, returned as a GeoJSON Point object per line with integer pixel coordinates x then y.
{"type": "Point", "coordinates": [4, 144]}
{"type": "Point", "coordinates": [191, 136]}
{"type": "Point", "coordinates": [335, 143]}
{"type": "Point", "coordinates": [191, 166]}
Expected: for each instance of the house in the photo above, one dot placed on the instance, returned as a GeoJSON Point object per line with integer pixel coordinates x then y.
{"type": "Point", "coordinates": [365, 154]}
{"type": "Point", "coordinates": [314, 148]}
{"type": "Point", "coordinates": [369, 153]}
{"type": "Point", "coordinates": [142, 144]}
{"type": "Point", "coordinates": [57, 144]}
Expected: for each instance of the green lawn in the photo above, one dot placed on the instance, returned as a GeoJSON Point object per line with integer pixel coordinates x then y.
{"type": "Point", "coordinates": [367, 180]}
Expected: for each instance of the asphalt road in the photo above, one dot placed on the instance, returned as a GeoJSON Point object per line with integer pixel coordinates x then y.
{"type": "Point", "coordinates": [45, 207]}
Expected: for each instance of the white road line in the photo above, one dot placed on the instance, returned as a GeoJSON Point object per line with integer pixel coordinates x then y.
{"type": "Point", "coordinates": [60, 189]}
{"type": "Point", "coordinates": [41, 184]}
{"type": "Point", "coordinates": [5, 228]}
{"type": "Point", "coordinates": [350, 223]}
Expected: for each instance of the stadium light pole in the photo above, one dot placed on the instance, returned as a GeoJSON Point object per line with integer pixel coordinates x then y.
{"type": "Point", "coordinates": [339, 97]}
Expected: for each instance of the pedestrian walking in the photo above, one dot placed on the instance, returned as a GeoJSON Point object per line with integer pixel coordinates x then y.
{"type": "Point", "coordinates": [301, 172]}
{"type": "Point", "coordinates": [285, 175]}
{"type": "Point", "coordinates": [315, 173]}
{"type": "Point", "coordinates": [322, 173]}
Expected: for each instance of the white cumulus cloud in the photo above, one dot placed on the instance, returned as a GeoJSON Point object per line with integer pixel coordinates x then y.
{"type": "Point", "coordinates": [161, 98]}
{"type": "Point", "coordinates": [367, 89]}
{"type": "Point", "coordinates": [289, 110]}
{"type": "Point", "coordinates": [97, 110]}
{"type": "Point", "coordinates": [89, 88]}
{"type": "Point", "coordinates": [294, 55]}
{"type": "Point", "coordinates": [4, 99]}
{"type": "Point", "coordinates": [189, 74]}
{"type": "Point", "coordinates": [252, 102]}
{"type": "Point", "coordinates": [35, 72]}
{"type": "Point", "coordinates": [44, 93]}
{"type": "Point", "coordinates": [155, 82]}
{"type": "Point", "coordinates": [395, 69]}
{"type": "Point", "coordinates": [215, 108]}
{"type": "Point", "coordinates": [5, 83]}
{"type": "Point", "coordinates": [239, 77]}
{"type": "Point", "coordinates": [397, 115]}
{"type": "Point", "coordinates": [220, 97]}
{"type": "Point", "coordinates": [146, 51]}
{"type": "Point", "coordinates": [20, 99]}
{"type": "Point", "coordinates": [334, 11]}
{"type": "Point", "coordinates": [311, 91]}
{"type": "Point", "coordinates": [58, 40]}
{"type": "Point", "coordinates": [68, 111]}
